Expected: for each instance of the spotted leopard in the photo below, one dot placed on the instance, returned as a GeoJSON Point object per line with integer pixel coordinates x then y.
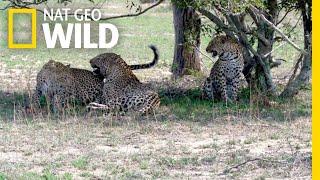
{"type": "Point", "coordinates": [62, 84]}
{"type": "Point", "coordinates": [225, 77]}
{"type": "Point", "coordinates": [122, 90]}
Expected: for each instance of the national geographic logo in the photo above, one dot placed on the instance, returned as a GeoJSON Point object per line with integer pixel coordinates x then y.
{"type": "Point", "coordinates": [33, 43]}
{"type": "Point", "coordinates": [80, 30]}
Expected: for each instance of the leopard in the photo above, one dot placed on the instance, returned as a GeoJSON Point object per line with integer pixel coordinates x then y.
{"type": "Point", "coordinates": [122, 90]}
{"type": "Point", "coordinates": [62, 84]}
{"type": "Point", "coordinates": [226, 75]}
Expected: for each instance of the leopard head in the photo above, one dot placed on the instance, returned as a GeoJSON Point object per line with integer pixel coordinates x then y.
{"type": "Point", "coordinates": [54, 65]}
{"type": "Point", "coordinates": [220, 44]}
{"type": "Point", "coordinates": [109, 63]}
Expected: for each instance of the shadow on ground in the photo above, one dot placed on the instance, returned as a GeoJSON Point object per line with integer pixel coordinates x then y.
{"type": "Point", "coordinates": [181, 101]}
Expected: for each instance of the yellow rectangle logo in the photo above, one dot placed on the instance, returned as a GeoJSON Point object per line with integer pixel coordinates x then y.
{"type": "Point", "coordinates": [33, 13]}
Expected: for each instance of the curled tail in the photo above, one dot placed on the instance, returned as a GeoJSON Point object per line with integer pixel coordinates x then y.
{"type": "Point", "coordinates": [148, 65]}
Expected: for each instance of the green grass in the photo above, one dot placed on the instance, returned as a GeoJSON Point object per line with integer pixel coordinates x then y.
{"type": "Point", "coordinates": [178, 163]}
{"type": "Point", "coordinates": [81, 163]}
{"type": "Point", "coordinates": [2, 176]}
{"type": "Point", "coordinates": [192, 106]}
{"type": "Point", "coordinates": [46, 175]}
{"type": "Point", "coordinates": [9, 104]}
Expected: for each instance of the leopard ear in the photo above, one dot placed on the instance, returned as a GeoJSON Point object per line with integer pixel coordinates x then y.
{"type": "Point", "coordinates": [227, 38]}
{"type": "Point", "coordinates": [224, 40]}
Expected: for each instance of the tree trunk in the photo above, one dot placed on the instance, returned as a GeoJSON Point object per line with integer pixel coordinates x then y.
{"type": "Point", "coordinates": [187, 25]}
{"type": "Point", "coordinates": [264, 47]}
{"type": "Point", "coordinates": [303, 78]}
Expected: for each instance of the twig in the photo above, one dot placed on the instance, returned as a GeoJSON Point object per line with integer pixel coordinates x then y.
{"type": "Point", "coordinates": [6, 7]}
{"type": "Point", "coordinates": [262, 125]}
{"type": "Point", "coordinates": [274, 49]}
{"type": "Point", "coordinates": [295, 68]}
{"type": "Point", "coordinates": [226, 171]}
{"type": "Point", "coordinates": [295, 25]}
{"type": "Point", "coordinates": [26, 5]}
{"type": "Point", "coordinates": [136, 14]}
{"type": "Point", "coordinates": [284, 16]}
{"type": "Point", "coordinates": [202, 53]}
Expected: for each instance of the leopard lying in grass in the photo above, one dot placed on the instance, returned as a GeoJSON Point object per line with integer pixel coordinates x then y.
{"type": "Point", "coordinates": [61, 84]}
{"type": "Point", "coordinates": [122, 90]}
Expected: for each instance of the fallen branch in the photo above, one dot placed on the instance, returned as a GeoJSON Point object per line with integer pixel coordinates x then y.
{"type": "Point", "coordinates": [228, 170]}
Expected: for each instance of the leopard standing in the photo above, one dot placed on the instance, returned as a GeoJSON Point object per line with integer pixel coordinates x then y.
{"type": "Point", "coordinates": [226, 74]}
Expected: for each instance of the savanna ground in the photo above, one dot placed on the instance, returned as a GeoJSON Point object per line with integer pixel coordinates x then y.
{"type": "Point", "coordinates": [186, 138]}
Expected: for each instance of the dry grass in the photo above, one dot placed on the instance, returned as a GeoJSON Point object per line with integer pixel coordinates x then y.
{"type": "Point", "coordinates": [152, 149]}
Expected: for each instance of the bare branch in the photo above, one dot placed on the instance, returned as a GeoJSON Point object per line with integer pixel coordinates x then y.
{"type": "Point", "coordinates": [276, 62]}
{"type": "Point", "coordinates": [210, 58]}
{"type": "Point", "coordinates": [284, 16]}
{"type": "Point", "coordinates": [135, 14]}
{"type": "Point", "coordinates": [274, 49]}
{"type": "Point", "coordinates": [295, 25]}
{"type": "Point", "coordinates": [262, 17]}
{"type": "Point", "coordinates": [227, 29]}
{"type": "Point", "coordinates": [295, 68]}
{"type": "Point", "coordinates": [28, 4]}
{"type": "Point", "coordinates": [6, 7]}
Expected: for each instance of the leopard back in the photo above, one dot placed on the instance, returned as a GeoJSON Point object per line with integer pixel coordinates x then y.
{"type": "Point", "coordinates": [59, 82]}
{"type": "Point", "coordinates": [122, 90]}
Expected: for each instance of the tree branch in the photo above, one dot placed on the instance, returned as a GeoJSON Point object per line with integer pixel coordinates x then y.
{"type": "Point", "coordinates": [227, 29]}
{"type": "Point", "coordinates": [135, 14]}
{"type": "Point", "coordinates": [27, 4]}
{"type": "Point", "coordinates": [233, 32]}
{"type": "Point", "coordinates": [284, 16]}
{"type": "Point", "coordinates": [6, 7]}
{"type": "Point", "coordinates": [262, 17]}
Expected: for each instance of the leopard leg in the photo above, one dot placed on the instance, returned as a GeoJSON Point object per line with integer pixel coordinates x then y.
{"type": "Point", "coordinates": [55, 104]}
{"type": "Point", "coordinates": [97, 105]}
{"type": "Point", "coordinates": [113, 105]}
{"type": "Point", "coordinates": [221, 84]}
{"type": "Point", "coordinates": [94, 105]}
{"type": "Point", "coordinates": [32, 103]}
{"type": "Point", "coordinates": [208, 91]}
{"type": "Point", "coordinates": [59, 103]}
{"type": "Point", "coordinates": [152, 101]}
{"type": "Point", "coordinates": [235, 86]}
